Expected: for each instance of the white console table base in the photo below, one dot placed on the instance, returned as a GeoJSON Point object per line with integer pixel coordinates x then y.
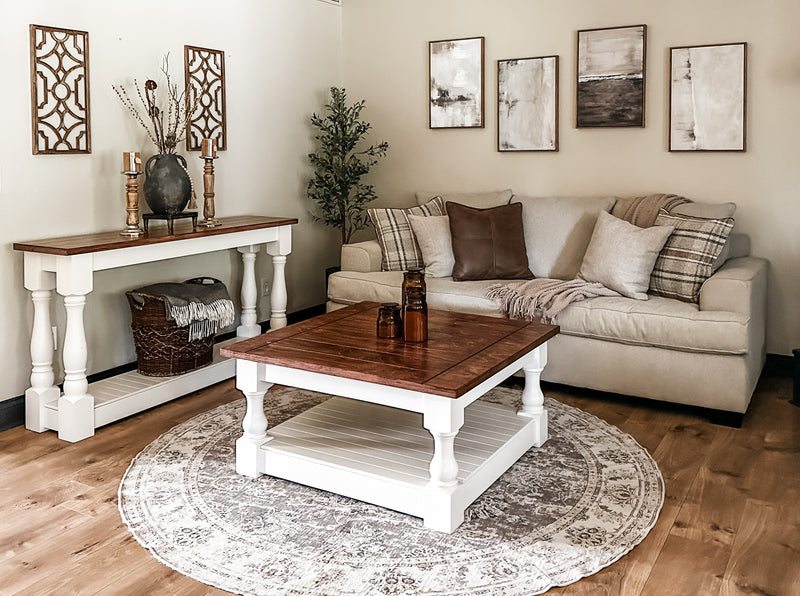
{"type": "Point", "coordinates": [82, 408]}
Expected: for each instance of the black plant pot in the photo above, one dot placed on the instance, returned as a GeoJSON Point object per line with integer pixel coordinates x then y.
{"type": "Point", "coordinates": [167, 188]}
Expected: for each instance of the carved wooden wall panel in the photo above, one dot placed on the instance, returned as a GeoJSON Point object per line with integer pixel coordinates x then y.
{"type": "Point", "coordinates": [205, 76]}
{"type": "Point", "coordinates": [60, 90]}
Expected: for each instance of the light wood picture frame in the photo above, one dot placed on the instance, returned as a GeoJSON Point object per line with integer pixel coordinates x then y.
{"type": "Point", "coordinates": [611, 69]}
{"type": "Point", "coordinates": [708, 97]}
{"type": "Point", "coordinates": [527, 104]}
{"type": "Point", "coordinates": [456, 83]}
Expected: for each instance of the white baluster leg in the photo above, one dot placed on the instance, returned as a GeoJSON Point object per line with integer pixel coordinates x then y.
{"type": "Point", "coordinates": [249, 455]}
{"type": "Point", "coordinates": [249, 326]}
{"type": "Point", "coordinates": [443, 418]}
{"type": "Point", "coordinates": [532, 396]}
{"type": "Point", "coordinates": [279, 298]}
{"type": "Point", "coordinates": [76, 406]}
{"type": "Point", "coordinates": [42, 389]}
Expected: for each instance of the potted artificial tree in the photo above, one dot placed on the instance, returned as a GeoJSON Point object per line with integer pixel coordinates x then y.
{"type": "Point", "coordinates": [339, 163]}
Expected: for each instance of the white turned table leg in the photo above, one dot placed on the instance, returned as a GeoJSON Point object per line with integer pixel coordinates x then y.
{"type": "Point", "coordinates": [279, 297]}
{"type": "Point", "coordinates": [532, 395]}
{"type": "Point", "coordinates": [42, 389]}
{"type": "Point", "coordinates": [443, 417]}
{"type": "Point", "coordinates": [249, 455]}
{"type": "Point", "coordinates": [443, 467]}
{"type": "Point", "coordinates": [76, 406]}
{"type": "Point", "coordinates": [249, 326]}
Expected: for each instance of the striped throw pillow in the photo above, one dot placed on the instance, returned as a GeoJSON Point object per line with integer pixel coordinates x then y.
{"type": "Point", "coordinates": [399, 247]}
{"type": "Point", "coordinates": [687, 259]}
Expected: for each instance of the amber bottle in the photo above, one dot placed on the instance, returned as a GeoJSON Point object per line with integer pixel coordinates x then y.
{"type": "Point", "coordinates": [415, 316]}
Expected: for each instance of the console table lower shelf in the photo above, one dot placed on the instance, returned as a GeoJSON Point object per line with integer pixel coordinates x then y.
{"type": "Point", "coordinates": [382, 455]}
{"type": "Point", "coordinates": [127, 394]}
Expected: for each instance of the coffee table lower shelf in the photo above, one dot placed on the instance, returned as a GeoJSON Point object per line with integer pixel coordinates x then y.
{"type": "Point", "coordinates": [381, 455]}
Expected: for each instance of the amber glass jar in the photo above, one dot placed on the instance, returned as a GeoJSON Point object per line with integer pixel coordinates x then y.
{"type": "Point", "coordinates": [415, 316]}
{"type": "Point", "coordinates": [413, 278]}
{"type": "Point", "coordinates": [389, 323]}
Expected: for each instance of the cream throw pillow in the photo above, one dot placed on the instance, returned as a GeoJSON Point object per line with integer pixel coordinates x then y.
{"type": "Point", "coordinates": [433, 236]}
{"type": "Point", "coordinates": [621, 255]}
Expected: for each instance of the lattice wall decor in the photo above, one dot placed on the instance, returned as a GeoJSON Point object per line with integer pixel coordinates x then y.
{"type": "Point", "coordinates": [60, 90]}
{"type": "Point", "coordinates": [205, 76]}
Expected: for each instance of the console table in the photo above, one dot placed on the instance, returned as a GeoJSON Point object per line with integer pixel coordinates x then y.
{"type": "Point", "coordinates": [67, 264]}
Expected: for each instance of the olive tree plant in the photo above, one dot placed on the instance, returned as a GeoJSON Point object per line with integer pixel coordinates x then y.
{"type": "Point", "coordinates": [339, 163]}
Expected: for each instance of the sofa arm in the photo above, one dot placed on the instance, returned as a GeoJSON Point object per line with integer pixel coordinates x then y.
{"type": "Point", "coordinates": [740, 286]}
{"type": "Point", "coordinates": [362, 257]}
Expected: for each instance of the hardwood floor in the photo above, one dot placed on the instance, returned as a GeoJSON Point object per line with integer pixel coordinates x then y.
{"type": "Point", "coordinates": [730, 522]}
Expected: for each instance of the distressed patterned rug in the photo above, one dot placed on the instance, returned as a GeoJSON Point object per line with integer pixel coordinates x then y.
{"type": "Point", "coordinates": [562, 512]}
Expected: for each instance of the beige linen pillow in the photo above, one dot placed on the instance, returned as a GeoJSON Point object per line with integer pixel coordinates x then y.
{"type": "Point", "coordinates": [433, 237]}
{"type": "Point", "coordinates": [621, 255]}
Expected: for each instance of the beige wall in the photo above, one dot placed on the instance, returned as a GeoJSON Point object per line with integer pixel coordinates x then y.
{"type": "Point", "coordinates": [385, 61]}
{"type": "Point", "coordinates": [280, 58]}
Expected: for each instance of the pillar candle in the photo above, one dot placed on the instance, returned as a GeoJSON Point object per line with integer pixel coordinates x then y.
{"type": "Point", "coordinates": [130, 161]}
{"type": "Point", "coordinates": [209, 147]}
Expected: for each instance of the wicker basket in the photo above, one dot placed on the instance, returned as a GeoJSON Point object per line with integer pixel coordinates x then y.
{"type": "Point", "coordinates": [162, 348]}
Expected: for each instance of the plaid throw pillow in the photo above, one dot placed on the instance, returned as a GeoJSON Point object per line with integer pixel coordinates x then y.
{"type": "Point", "coordinates": [399, 247]}
{"type": "Point", "coordinates": [687, 259]}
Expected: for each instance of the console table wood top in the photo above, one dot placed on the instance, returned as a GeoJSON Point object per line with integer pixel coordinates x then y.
{"type": "Point", "coordinates": [462, 350]}
{"type": "Point", "coordinates": [102, 241]}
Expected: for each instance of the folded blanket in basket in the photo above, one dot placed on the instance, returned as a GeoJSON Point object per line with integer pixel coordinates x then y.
{"type": "Point", "coordinates": [204, 305]}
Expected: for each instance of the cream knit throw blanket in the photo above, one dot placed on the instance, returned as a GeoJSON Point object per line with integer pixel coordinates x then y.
{"type": "Point", "coordinates": [543, 298]}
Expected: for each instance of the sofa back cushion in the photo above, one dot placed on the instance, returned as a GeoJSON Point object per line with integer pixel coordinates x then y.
{"type": "Point", "coordinates": [479, 200]}
{"type": "Point", "coordinates": [557, 231]}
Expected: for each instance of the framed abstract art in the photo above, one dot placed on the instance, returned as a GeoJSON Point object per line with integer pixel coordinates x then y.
{"type": "Point", "coordinates": [707, 98]}
{"type": "Point", "coordinates": [611, 77]}
{"type": "Point", "coordinates": [527, 104]}
{"type": "Point", "coordinates": [455, 68]}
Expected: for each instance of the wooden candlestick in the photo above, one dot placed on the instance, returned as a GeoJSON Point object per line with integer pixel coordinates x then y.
{"type": "Point", "coordinates": [209, 220]}
{"type": "Point", "coordinates": [132, 229]}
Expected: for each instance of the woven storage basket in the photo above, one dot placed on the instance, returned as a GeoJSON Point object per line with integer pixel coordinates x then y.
{"type": "Point", "coordinates": [162, 348]}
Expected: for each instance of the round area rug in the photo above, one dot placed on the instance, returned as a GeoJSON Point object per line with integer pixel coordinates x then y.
{"type": "Point", "coordinates": [562, 512]}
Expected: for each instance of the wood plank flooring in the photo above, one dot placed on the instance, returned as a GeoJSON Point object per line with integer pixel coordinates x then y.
{"type": "Point", "coordinates": [730, 523]}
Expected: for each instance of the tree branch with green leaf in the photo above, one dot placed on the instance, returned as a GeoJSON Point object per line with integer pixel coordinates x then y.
{"type": "Point", "coordinates": [339, 163]}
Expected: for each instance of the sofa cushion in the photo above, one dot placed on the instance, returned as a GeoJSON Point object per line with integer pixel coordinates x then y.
{"type": "Point", "coordinates": [479, 200]}
{"type": "Point", "coordinates": [349, 287]}
{"type": "Point", "coordinates": [488, 243]}
{"type": "Point", "coordinates": [399, 248]}
{"type": "Point", "coordinates": [711, 211]}
{"type": "Point", "coordinates": [557, 231]}
{"type": "Point", "coordinates": [686, 260]}
{"type": "Point", "coordinates": [433, 236]}
{"type": "Point", "coordinates": [660, 322]}
{"type": "Point", "coordinates": [621, 255]}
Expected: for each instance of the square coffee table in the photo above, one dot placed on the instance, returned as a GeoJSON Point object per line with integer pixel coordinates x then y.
{"type": "Point", "coordinates": [405, 430]}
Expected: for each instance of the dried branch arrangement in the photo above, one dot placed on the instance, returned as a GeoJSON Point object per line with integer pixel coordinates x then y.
{"type": "Point", "coordinates": [166, 126]}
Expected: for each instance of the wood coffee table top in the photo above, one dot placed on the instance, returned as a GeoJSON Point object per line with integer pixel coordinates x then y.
{"type": "Point", "coordinates": [462, 350]}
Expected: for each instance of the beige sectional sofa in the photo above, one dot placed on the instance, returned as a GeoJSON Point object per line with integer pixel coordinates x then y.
{"type": "Point", "coordinates": [708, 354]}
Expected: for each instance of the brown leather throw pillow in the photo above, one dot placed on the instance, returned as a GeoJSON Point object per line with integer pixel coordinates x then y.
{"type": "Point", "coordinates": [488, 243]}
